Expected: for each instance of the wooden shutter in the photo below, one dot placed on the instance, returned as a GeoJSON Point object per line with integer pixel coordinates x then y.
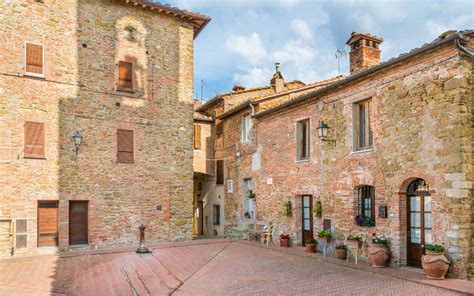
{"type": "Point", "coordinates": [220, 172]}
{"type": "Point", "coordinates": [125, 75]}
{"type": "Point", "coordinates": [34, 140]}
{"type": "Point", "coordinates": [34, 58]}
{"type": "Point", "coordinates": [125, 146]}
{"type": "Point", "coordinates": [197, 136]}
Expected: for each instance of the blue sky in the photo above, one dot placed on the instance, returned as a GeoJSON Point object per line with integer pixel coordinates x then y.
{"type": "Point", "coordinates": [245, 38]}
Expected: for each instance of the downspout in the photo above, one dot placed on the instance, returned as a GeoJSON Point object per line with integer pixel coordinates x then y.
{"type": "Point", "coordinates": [253, 108]}
{"type": "Point", "coordinates": [462, 48]}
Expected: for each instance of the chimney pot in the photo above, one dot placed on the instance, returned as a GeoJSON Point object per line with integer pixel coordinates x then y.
{"type": "Point", "coordinates": [365, 52]}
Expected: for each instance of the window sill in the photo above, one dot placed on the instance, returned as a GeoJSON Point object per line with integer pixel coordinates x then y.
{"type": "Point", "coordinates": [126, 90]}
{"type": "Point", "coordinates": [34, 75]}
{"type": "Point", "coordinates": [122, 161]}
{"type": "Point", "coordinates": [363, 151]}
{"type": "Point", "coordinates": [33, 157]}
{"type": "Point", "coordinates": [302, 160]}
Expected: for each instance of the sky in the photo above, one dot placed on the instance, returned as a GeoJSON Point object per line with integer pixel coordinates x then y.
{"type": "Point", "coordinates": [246, 37]}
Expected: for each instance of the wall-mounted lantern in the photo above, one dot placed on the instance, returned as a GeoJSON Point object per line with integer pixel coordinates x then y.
{"type": "Point", "coordinates": [323, 130]}
{"type": "Point", "coordinates": [77, 140]}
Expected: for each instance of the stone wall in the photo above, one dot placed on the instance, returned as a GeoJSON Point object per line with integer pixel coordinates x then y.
{"type": "Point", "coordinates": [83, 42]}
{"type": "Point", "coordinates": [422, 123]}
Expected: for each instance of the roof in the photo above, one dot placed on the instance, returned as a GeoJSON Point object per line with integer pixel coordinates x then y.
{"type": "Point", "coordinates": [217, 98]}
{"type": "Point", "coordinates": [199, 21]}
{"type": "Point", "coordinates": [247, 103]}
{"type": "Point", "coordinates": [443, 39]}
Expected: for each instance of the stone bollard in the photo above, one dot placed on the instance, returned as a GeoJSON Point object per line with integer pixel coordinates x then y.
{"type": "Point", "coordinates": [142, 249]}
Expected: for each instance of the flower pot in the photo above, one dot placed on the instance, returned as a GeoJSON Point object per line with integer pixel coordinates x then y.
{"type": "Point", "coordinates": [354, 244]}
{"type": "Point", "coordinates": [310, 248]}
{"type": "Point", "coordinates": [435, 265]}
{"type": "Point", "coordinates": [379, 255]}
{"type": "Point", "coordinates": [341, 254]}
{"type": "Point", "coordinates": [284, 242]}
{"type": "Point", "coordinates": [324, 240]}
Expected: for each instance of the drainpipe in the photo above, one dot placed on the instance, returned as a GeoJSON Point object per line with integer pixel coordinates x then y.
{"type": "Point", "coordinates": [253, 108]}
{"type": "Point", "coordinates": [462, 48]}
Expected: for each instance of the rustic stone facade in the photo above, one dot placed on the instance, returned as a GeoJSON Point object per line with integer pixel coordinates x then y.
{"type": "Point", "coordinates": [83, 42]}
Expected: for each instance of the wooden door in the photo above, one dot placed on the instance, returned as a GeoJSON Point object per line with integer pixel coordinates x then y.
{"type": "Point", "coordinates": [47, 223]}
{"type": "Point", "coordinates": [419, 227]}
{"type": "Point", "coordinates": [307, 217]}
{"type": "Point", "coordinates": [78, 222]}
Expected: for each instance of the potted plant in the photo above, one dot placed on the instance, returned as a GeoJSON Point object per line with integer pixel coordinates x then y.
{"type": "Point", "coordinates": [364, 221]}
{"type": "Point", "coordinates": [318, 209]}
{"type": "Point", "coordinates": [324, 236]}
{"type": "Point", "coordinates": [354, 242]}
{"type": "Point", "coordinates": [284, 240]}
{"type": "Point", "coordinates": [310, 246]}
{"type": "Point", "coordinates": [379, 254]}
{"type": "Point", "coordinates": [434, 262]}
{"type": "Point", "coordinates": [341, 251]}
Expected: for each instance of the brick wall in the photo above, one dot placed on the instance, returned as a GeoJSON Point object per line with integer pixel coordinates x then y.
{"type": "Point", "coordinates": [83, 42]}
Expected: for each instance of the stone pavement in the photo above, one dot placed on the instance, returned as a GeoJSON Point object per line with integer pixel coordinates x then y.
{"type": "Point", "coordinates": [207, 267]}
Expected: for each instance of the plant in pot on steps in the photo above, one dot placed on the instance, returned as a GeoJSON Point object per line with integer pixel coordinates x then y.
{"type": "Point", "coordinates": [379, 254]}
{"type": "Point", "coordinates": [354, 242]}
{"type": "Point", "coordinates": [284, 240]}
{"type": "Point", "coordinates": [310, 246]}
{"type": "Point", "coordinates": [324, 237]}
{"type": "Point", "coordinates": [341, 251]}
{"type": "Point", "coordinates": [434, 262]}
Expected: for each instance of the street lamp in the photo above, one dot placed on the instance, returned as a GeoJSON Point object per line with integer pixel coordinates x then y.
{"type": "Point", "coordinates": [323, 130]}
{"type": "Point", "coordinates": [77, 140]}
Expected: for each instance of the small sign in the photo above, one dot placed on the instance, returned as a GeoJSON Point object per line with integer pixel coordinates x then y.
{"type": "Point", "coordinates": [269, 181]}
{"type": "Point", "coordinates": [391, 214]}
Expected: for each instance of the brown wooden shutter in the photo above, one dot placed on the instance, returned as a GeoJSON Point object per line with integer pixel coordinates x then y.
{"type": "Point", "coordinates": [34, 140]}
{"type": "Point", "coordinates": [197, 136]}
{"type": "Point", "coordinates": [124, 146]}
{"type": "Point", "coordinates": [125, 75]}
{"type": "Point", "coordinates": [34, 58]}
{"type": "Point", "coordinates": [220, 172]}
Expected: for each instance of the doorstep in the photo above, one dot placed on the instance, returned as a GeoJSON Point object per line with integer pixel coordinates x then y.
{"type": "Point", "coordinates": [404, 273]}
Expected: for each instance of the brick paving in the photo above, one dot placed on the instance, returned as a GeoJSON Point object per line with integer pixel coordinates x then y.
{"type": "Point", "coordinates": [205, 268]}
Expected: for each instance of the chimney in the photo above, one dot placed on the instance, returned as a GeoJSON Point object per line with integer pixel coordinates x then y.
{"type": "Point", "coordinates": [237, 88]}
{"type": "Point", "coordinates": [277, 81]}
{"type": "Point", "coordinates": [365, 52]}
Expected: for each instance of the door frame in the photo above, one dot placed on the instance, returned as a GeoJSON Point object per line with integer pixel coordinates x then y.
{"type": "Point", "coordinates": [311, 218]}
{"type": "Point", "coordinates": [38, 222]}
{"type": "Point", "coordinates": [69, 222]}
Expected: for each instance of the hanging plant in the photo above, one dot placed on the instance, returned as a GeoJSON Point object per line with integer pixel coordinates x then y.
{"type": "Point", "coordinates": [318, 209]}
{"type": "Point", "coordinates": [288, 208]}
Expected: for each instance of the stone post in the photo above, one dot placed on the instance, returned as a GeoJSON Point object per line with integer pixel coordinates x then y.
{"type": "Point", "coordinates": [142, 249]}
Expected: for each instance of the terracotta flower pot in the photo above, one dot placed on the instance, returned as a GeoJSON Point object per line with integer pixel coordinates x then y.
{"type": "Point", "coordinates": [341, 254]}
{"type": "Point", "coordinates": [310, 248]}
{"type": "Point", "coordinates": [379, 255]}
{"type": "Point", "coordinates": [354, 244]}
{"type": "Point", "coordinates": [435, 265]}
{"type": "Point", "coordinates": [284, 242]}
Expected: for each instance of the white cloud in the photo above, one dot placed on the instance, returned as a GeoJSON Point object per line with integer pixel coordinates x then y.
{"type": "Point", "coordinates": [250, 48]}
{"type": "Point", "coordinates": [301, 28]}
{"type": "Point", "coordinates": [254, 77]}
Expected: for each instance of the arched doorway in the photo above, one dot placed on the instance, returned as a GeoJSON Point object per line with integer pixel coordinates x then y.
{"type": "Point", "coordinates": [419, 230]}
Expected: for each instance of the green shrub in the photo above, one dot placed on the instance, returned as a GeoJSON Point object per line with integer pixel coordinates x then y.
{"type": "Point", "coordinates": [354, 238]}
{"type": "Point", "coordinates": [310, 241]}
{"type": "Point", "coordinates": [324, 233]}
{"type": "Point", "coordinates": [341, 247]}
{"type": "Point", "coordinates": [434, 248]}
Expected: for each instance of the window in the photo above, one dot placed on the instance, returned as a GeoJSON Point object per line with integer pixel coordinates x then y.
{"type": "Point", "coordinates": [216, 215]}
{"type": "Point", "coordinates": [34, 140]}
{"type": "Point", "coordinates": [34, 59]}
{"type": "Point", "coordinates": [220, 172]}
{"type": "Point", "coordinates": [125, 76]}
{"type": "Point", "coordinates": [219, 129]}
{"type": "Point", "coordinates": [246, 126]}
{"type": "Point", "coordinates": [302, 139]}
{"type": "Point", "coordinates": [230, 186]}
{"type": "Point", "coordinates": [20, 233]}
{"type": "Point", "coordinates": [363, 136]}
{"type": "Point", "coordinates": [197, 136]}
{"type": "Point", "coordinates": [365, 206]}
{"type": "Point", "coordinates": [125, 151]}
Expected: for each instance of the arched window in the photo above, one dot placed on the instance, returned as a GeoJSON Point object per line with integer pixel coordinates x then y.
{"type": "Point", "coordinates": [365, 199]}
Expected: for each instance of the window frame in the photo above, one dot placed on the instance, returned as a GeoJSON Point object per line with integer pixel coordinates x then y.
{"type": "Point", "coordinates": [363, 193]}
{"type": "Point", "coordinates": [216, 215]}
{"type": "Point", "coordinates": [246, 126]}
{"type": "Point", "coordinates": [121, 88]}
{"type": "Point", "coordinates": [368, 124]}
{"type": "Point", "coordinates": [26, 73]}
{"type": "Point", "coordinates": [133, 146]}
{"type": "Point", "coordinates": [30, 156]}
{"type": "Point", "coordinates": [299, 136]}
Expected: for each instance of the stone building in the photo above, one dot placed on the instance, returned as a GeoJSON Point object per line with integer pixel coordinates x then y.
{"type": "Point", "coordinates": [397, 158]}
{"type": "Point", "coordinates": [119, 74]}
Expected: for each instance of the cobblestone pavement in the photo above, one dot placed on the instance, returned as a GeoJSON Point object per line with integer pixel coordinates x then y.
{"type": "Point", "coordinates": [213, 268]}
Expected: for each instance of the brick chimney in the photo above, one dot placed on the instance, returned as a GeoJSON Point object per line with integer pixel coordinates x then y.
{"type": "Point", "coordinates": [277, 81]}
{"type": "Point", "coordinates": [365, 52]}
